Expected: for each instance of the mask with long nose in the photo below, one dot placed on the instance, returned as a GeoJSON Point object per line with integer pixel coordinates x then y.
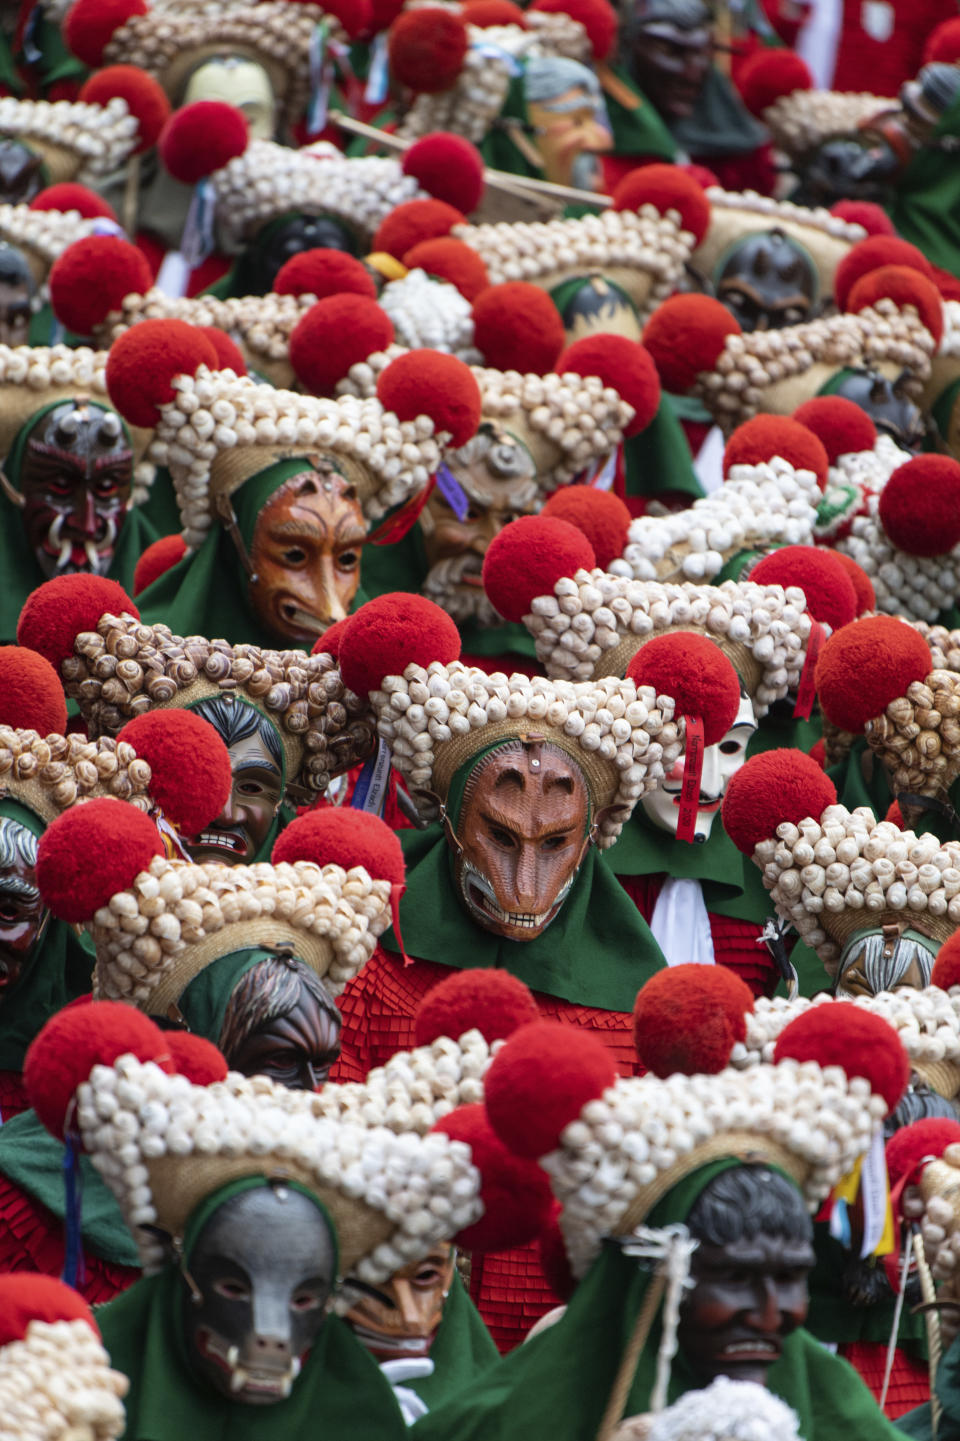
{"type": "Point", "coordinates": [401, 1318]}
{"type": "Point", "coordinates": [259, 1276]}
{"type": "Point", "coordinates": [720, 762]}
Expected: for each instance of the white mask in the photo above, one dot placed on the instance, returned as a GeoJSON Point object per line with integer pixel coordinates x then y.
{"type": "Point", "coordinates": [720, 762]}
{"type": "Point", "coordinates": [241, 83]}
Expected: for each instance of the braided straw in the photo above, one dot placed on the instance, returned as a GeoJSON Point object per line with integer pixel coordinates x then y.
{"type": "Point", "coordinates": [918, 737]}
{"type": "Point", "coordinates": [734, 217]}
{"type": "Point", "coordinates": [56, 1384]}
{"type": "Point", "coordinates": [48, 774]}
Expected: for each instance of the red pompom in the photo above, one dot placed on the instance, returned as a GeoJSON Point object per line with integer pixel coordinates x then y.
{"type": "Point", "coordinates": [57, 611]}
{"type": "Point", "coordinates": [857, 1041]}
{"type": "Point", "coordinates": [391, 632]}
{"type": "Point", "coordinates": [426, 382]}
{"type": "Point", "coordinates": [450, 260]}
{"type": "Point", "coordinates": [622, 364]}
{"type": "Point", "coordinates": [704, 177]}
{"type": "Point", "coordinates": [818, 753]}
{"type": "Point", "coordinates": [196, 1058]}
{"type": "Point", "coordinates": [492, 1002]}
{"type": "Point", "coordinates": [862, 584]}
{"type": "Point", "coordinates": [920, 505]}
{"type": "Point", "coordinates": [333, 335]}
{"type": "Point", "coordinates": [427, 48]}
{"type": "Point", "coordinates": [83, 1036]}
{"type": "Point", "coordinates": [873, 219]}
{"type": "Point", "coordinates": [90, 25]}
{"type": "Point", "coordinates": [329, 642]}
{"type": "Point", "coordinates": [485, 13]}
{"type": "Point", "coordinates": [27, 1296]}
{"type": "Point", "coordinates": [516, 326]}
{"type": "Point", "coordinates": [68, 195]}
{"type": "Point", "coordinates": [943, 43]}
{"type": "Point", "coordinates": [666, 187]}
{"type": "Point", "coordinates": [191, 775]}
{"type": "Point", "coordinates": [229, 354]}
{"type": "Point", "coordinates": [946, 968]}
{"type": "Point", "coordinates": [145, 359]}
{"type": "Point", "coordinates": [90, 853]}
{"type": "Point", "coordinates": [94, 276]}
{"type": "Point", "coordinates": [765, 436]}
{"type": "Point", "coordinates": [516, 1195]}
{"type": "Point", "coordinates": [541, 1080]}
{"type": "Point", "coordinates": [831, 597]}
{"type": "Point", "coordinates": [145, 99]}
{"type": "Point", "coordinates": [31, 696]}
{"type": "Point", "coordinates": [688, 1018]}
{"type": "Point", "coordinates": [384, 13]}
{"type": "Point", "coordinates": [343, 837]}
{"type": "Point", "coordinates": [528, 557]}
{"type": "Point", "coordinates": [201, 138]}
{"type": "Point", "coordinates": [770, 74]}
{"type": "Point", "coordinates": [865, 666]}
{"type": "Point", "coordinates": [895, 816]}
{"type": "Point", "coordinates": [840, 425]}
{"type": "Point", "coordinates": [447, 167]}
{"type": "Point", "coordinates": [356, 16]}
{"type": "Point", "coordinates": [685, 337]}
{"type": "Point", "coordinates": [771, 788]}
{"type": "Point", "coordinates": [601, 515]}
{"type": "Point", "coordinates": [904, 287]}
{"type": "Point", "coordinates": [698, 676]}
{"type": "Point", "coordinates": [597, 17]}
{"type": "Point", "coordinates": [157, 559]}
{"type": "Point", "coordinates": [911, 1147]}
{"type": "Point", "coordinates": [323, 273]}
{"type": "Point", "coordinates": [413, 222]}
{"type": "Point", "coordinates": [874, 253]}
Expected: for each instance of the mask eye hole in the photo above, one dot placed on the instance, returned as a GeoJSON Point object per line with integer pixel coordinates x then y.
{"type": "Point", "coordinates": [232, 1289]}
{"type": "Point", "coordinates": [305, 1301]}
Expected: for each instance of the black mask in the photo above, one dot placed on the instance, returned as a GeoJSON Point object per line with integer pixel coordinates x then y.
{"type": "Point", "coordinates": [278, 242]}
{"type": "Point", "coordinates": [892, 412]}
{"type": "Point", "coordinates": [768, 282]}
{"type": "Point", "coordinates": [21, 173]}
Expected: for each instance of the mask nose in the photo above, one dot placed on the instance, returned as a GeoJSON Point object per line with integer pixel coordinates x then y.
{"type": "Point", "coordinates": [710, 775]}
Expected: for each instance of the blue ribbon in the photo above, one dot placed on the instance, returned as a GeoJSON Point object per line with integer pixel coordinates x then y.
{"type": "Point", "coordinates": [73, 1268]}
{"type": "Point", "coordinates": [370, 791]}
{"type": "Point", "coordinates": [452, 491]}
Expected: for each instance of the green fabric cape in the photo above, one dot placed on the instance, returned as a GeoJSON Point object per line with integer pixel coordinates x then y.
{"type": "Point", "coordinates": [780, 727]}
{"type": "Point", "coordinates": [833, 1318]}
{"type": "Point", "coordinates": [558, 1384]}
{"type": "Point", "coordinates": [947, 1386]}
{"type": "Point", "coordinates": [204, 1003]}
{"type": "Point", "coordinates": [925, 206]}
{"type": "Point", "coordinates": [462, 1349]}
{"type": "Point", "coordinates": [638, 129]}
{"type": "Point", "coordinates": [659, 457]}
{"type": "Point", "coordinates": [719, 125]}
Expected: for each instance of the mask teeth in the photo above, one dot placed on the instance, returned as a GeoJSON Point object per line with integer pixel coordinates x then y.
{"type": "Point", "coordinates": [238, 1379]}
{"type": "Point", "coordinates": [233, 1356]}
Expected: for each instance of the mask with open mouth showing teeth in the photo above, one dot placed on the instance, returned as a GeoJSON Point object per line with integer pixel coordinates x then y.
{"type": "Point", "coordinates": [23, 916]}
{"type": "Point", "coordinates": [720, 762]}
{"type": "Point", "coordinates": [263, 1265]}
{"type": "Point", "coordinates": [240, 832]}
{"type": "Point", "coordinates": [521, 835]}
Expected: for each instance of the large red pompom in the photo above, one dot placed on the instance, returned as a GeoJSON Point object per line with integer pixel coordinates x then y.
{"type": "Point", "coordinates": [413, 222]}
{"type": "Point", "coordinates": [528, 557]}
{"type": "Point", "coordinates": [492, 1002]}
{"type": "Point", "coordinates": [516, 326]}
{"type": "Point", "coordinates": [873, 219]}
{"type": "Point", "coordinates": [343, 837]}
{"type": "Point", "coordinates": [516, 1195]}
{"type": "Point", "coordinates": [688, 1018]}
{"type": "Point", "coordinates": [448, 167]}
{"type": "Point", "coordinates": [865, 666]}
{"type": "Point", "coordinates": [862, 584]}
{"type": "Point", "coordinates": [685, 336]}
{"type": "Point", "coordinates": [622, 364]}
{"type": "Point", "coordinates": [904, 287]}
{"type": "Point", "coordinates": [145, 99]}
{"type": "Point", "coordinates": [911, 1147]}
{"type": "Point", "coordinates": [333, 335]}
{"type": "Point", "coordinates": [666, 187]}
{"type": "Point", "coordinates": [831, 597]}
{"type": "Point", "coordinates": [427, 48]}
{"type": "Point", "coordinates": [191, 776]}
{"type": "Point", "coordinates": [698, 676]}
{"type": "Point", "coordinates": [485, 13]}
{"type": "Point", "coordinates": [78, 1038]}
{"type": "Point", "coordinates": [768, 75]}
{"type": "Point", "coordinates": [27, 1296]}
{"type": "Point", "coordinates": [90, 25]}
{"type": "Point", "coordinates": [840, 425]}
{"type": "Point", "coordinates": [601, 515]}
{"type": "Point", "coordinates": [329, 642]}
{"type": "Point", "coordinates": [765, 436]}
{"type": "Point", "coordinates": [145, 359]}
{"type": "Point", "coordinates": [920, 505]}
{"type": "Point", "coordinates": [597, 17]}
{"type": "Point", "coordinates": [946, 968]}
{"type": "Point", "coordinates": [384, 13]}
{"type": "Point", "coordinates": [157, 559]}
{"type": "Point", "coordinates": [31, 696]}
{"type": "Point", "coordinates": [943, 43]}
{"type": "Point", "coordinates": [322, 273]}
{"type": "Point", "coordinates": [68, 195]}
{"type": "Point", "coordinates": [425, 382]}
{"type": "Point", "coordinates": [90, 853]}
{"type": "Point", "coordinates": [872, 254]}
{"type": "Point", "coordinates": [196, 1058]}
{"type": "Point", "coordinates": [94, 276]}
{"type": "Point", "coordinates": [391, 632]}
{"type": "Point", "coordinates": [857, 1041]}
{"type": "Point", "coordinates": [773, 787]}
{"type": "Point", "coordinates": [201, 138]}
{"type": "Point", "coordinates": [356, 16]}
{"type": "Point", "coordinates": [57, 611]}
{"type": "Point", "coordinates": [229, 354]}
{"type": "Point", "coordinates": [540, 1081]}
{"type": "Point", "coordinates": [451, 260]}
